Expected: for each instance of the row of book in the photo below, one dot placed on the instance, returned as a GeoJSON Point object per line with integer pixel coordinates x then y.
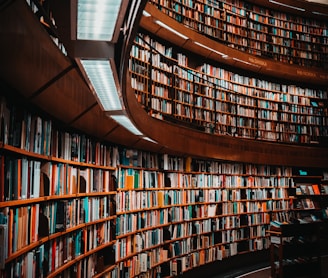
{"type": "Point", "coordinates": [273, 175]}
{"type": "Point", "coordinates": [188, 170]}
{"type": "Point", "coordinates": [212, 221]}
{"type": "Point", "coordinates": [32, 133]}
{"type": "Point", "coordinates": [29, 224]}
{"type": "Point", "coordinates": [26, 178]}
{"type": "Point", "coordinates": [140, 179]}
{"type": "Point", "coordinates": [203, 9]}
{"type": "Point", "coordinates": [138, 158]}
{"type": "Point", "coordinates": [204, 22]}
{"type": "Point", "coordinates": [47, 13]}
{"type": "Point", "coordinates": [229, 14]}
{"type": "Point", "coordinates": [179, 263]}
{"type": "Point", "coordinates": [225, 78]}
{"type": "Point", "coordinates": [48, 258]}
{"type": "Point", "coordinates": [308, 189]}
{"type": "Point", "coordinates": [143, 219]}
{"type": "Point", "coordinates": [241, 200]}
{"type": "Point", "coordinates": [186, 109]}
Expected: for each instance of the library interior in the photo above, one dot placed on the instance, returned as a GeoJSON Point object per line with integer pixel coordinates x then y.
{"type": "Point", "coordinates": [164, 138]}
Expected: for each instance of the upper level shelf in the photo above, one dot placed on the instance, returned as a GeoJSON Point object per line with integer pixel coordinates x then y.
{"type": "Point", "coordinates": [254, 49]}
{"type": "Point", "coordinates": [255, 29]}
{"type": "Point", "coordinates": [216, 100]}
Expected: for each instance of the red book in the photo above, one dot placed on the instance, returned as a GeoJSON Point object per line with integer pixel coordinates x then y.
{"type": "Point", "coordinates": [316, 189]}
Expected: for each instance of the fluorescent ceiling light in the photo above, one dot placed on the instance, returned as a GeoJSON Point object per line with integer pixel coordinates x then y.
{"type": "Point", "coordinates": [318, 13]}
{"type": "Point", "coordinates": [160, 23]}
{"type": "Point", "coordinates": [150, 140]}
{"type": "Point", "coordinates": [288, 6]}
{"type": "Point", "coordinates": [145, 13]}
{"type": "Point", "coordinates": [101, 76]}
{"type": "Point", "coordinates": [245, 62]}
{"type": "Point", "coordinates": [210, 49]}
{"type": "Point", "coordinates": [126, 122]}
{"type": "Point", "coordinates": [96, 19]}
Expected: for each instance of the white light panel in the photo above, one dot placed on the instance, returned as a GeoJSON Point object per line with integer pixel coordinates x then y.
{"type": "Point", "coordinates": [126, 122]}
{"type": "Point", "coordinates": [96, 19]}
{"type": "Point", "coordinates": [101, 77]}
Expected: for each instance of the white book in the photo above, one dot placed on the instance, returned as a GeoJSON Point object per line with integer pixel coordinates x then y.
{"type": "Point", "coordinates": [38, 135]}
{"type": "Point", "coordinates": [166, 161]}
{"type": "Point", "coordinates": [143, 262]}
{"type": "Point", "coordinates": [36, 178]}
{"type": "Point", "coordinates": [30, 265]}
{"type": "Point", "coordinates": [24, 180]}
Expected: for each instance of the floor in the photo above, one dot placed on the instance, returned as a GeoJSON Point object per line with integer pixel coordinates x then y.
{"type": "Point", "coordinates": [264, 271]}
{"type": "Point", "coordinates": [256, 271]}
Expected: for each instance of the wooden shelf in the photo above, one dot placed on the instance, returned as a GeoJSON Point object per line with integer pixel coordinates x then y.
{"type": "Point", "coordinates": [228, 56]}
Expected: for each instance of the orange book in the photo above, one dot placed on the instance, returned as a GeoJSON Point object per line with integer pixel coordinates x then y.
{"type": "Point", "coordinates": [160, 196]}
{"type": "Point", "coordinates": [316, 189]}
{"type": "Point", "coordinates": [188, 164]}
{"type": "Point", "coordinates": [129, 181]}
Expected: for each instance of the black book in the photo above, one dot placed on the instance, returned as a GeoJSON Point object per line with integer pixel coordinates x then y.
{"type": "Point", "coordinates": [60, 216]}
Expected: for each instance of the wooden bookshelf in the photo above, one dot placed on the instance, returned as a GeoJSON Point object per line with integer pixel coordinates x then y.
{"type": "Point", "coordinates": [255, 29]}
{"type": "Point", "coordinates": [295, 250]}
{"type": "Point", "coordinates": [198, 212]}
{"type": "Point", "coordinates": [224, 54]}
{"type": "Point", "coordinates": [57, 195]}
{"type": "Point", "coordinates": [219, 101]}
{"type": "Point", "coordinates": [57, 81]}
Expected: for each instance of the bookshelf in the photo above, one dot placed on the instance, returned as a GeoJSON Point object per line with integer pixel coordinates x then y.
{"type": "Point", "coordinates": [308, 195]}
{"type": "Point", "coordinates": [57, 196]}
{"type": "Point", "coordinates": [110, 210]}
{"type": "Point", "coordinates": [299, 241]}
{"type": "Point", "coordinates": [216, 100]}
{"type": "Point", "coordinates": [100, 259]}
{"type": "Point", "coordinates": [295, 250]}
{"type": "Point", "coordinates": [199, 212]}
{"type": "Point", "coordinates": [255, 29]}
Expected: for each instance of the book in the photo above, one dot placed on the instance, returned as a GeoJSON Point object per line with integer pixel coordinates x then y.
{"type": "Point", "coordinates": [43, 229]}
{"type": "Point", "coordinates": [45, 178]}
{"type": "Point", "coordinates": [3, 244]}
{"type": "Point", "coordinates": [316, 189]}
{"type": "Point", "coordinates": [143, 262]}
{"type": "Point", "coordinates": [60, 216]}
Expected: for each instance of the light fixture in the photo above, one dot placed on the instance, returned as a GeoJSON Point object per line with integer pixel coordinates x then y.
{"type": "Point", "coordinates": [210, 49]}
{"type": "Point", "coordinates": [160, 23]}
{"type": "Point", "coordinates": [146, 14]}
{"type": "Point", "coordinates": [102, 76]}
{"type": "Point", "coordinates": [318, 13]}
{"type": "Point", "coordinates": [124, 121]}
{"type": "Point", "coordinates": [288, 6]}
{"type": "Point", "coordinates": [245, 62]}
{"type": "Point", "coordinates": [150, 140]}
{"type": "Point", "coordinates": [97, 19]}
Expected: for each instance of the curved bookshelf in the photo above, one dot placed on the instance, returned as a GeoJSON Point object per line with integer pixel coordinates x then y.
{"type": "Point", "coordinates": [219, 101]}
{"type": "Point", "coordinates": [255, 29]}
{"type": "Point", "coordinates": [159, 24]}
{"type": "Point", "coordinates": [84, 114]}
{"type": "Point", "coordinates": [190, 212]}
{"type": "Point", "coordinates": [57, 196]}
